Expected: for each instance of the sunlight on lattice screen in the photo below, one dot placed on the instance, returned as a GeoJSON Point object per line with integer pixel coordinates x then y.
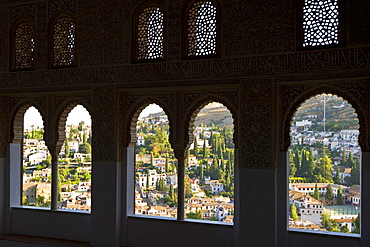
{"type": "Point", "coordinates": [24, 46]}
{"type": "Point", "coordinates": [202, 29]}
{"type": "Point", "coordinates": [320, 22]}
{"type": "Point", "coordinates": [150, 34]}
{"type": "Point", "coordinates": [64, 42]}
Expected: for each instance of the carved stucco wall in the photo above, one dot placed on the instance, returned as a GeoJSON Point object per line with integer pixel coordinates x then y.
{"type": "Point", "coordinates": [261, 88]}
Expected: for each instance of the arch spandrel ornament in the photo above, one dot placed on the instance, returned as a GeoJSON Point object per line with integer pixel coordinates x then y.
{"type": "Point", "coordinates": [357, 98]}
{"type": "Point", "coordinates": [199, 100]}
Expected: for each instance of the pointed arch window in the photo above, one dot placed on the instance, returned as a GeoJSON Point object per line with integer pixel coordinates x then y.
{"type": "Point", "coordinates": [202, 29]}
{"type": "Point", "coordinates": [23, 44]}
{"type": "Point", "coordinates": [321, 23]}
{"type": "Point", "coordinates": [63, 41]}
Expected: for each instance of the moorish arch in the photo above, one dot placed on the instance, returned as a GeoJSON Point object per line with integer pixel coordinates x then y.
{"type": "Point", "coordinates": [195, 108]}
{"type": "Point", "coordinates": [61, 118]}
{"type": "Point", "coordinates": [17, 120]}
{"type": "Point", "coordinates": [297, 101]}
{"type": "Point", "coordinates": [133, 115]}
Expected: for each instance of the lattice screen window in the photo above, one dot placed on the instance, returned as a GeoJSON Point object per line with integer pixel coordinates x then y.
{"type": "Point", "coordinates": [320, 22]}
{"type": "Point", "coordinates": [64, 42]}
{"type": "Point", "coordinates": [24, 46]}
{"type": "Point", "coordinates": [202, 29]}
{"type": "Point", "coordinates": [150, 34]}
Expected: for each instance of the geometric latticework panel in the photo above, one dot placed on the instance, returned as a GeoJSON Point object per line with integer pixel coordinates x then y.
{"type": "Point", "coordinates": [202, 29]}
{"type": "Point", "coordinates": [150, 34]}
{"type": "Point", "coordinates": [64, 42]}
{"type": "Point", "coordinates": [24, 46]}
{"type": "Point", "coordinates": [320, 22]}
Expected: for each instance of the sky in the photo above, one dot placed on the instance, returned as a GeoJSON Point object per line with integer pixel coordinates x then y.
{"type": "Point", "coordinates": [152, 108]}
{"type": "Point", "coordinates": [77, 114]}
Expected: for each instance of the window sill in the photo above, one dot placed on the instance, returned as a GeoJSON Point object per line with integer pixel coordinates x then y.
{"type": "Point", "coordinates": [49, 210]}
{"type": "Point", "coordinates": [185, 221]}
{"type": "Point", "coordinates": [333, 234]}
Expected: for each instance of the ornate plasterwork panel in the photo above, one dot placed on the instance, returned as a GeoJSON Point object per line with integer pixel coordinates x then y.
{"type": "Point", "coordinates": [252, 27]}
{"type": "Point", "coordinates": [4, 48]}
{"type": "Point", "coordinates": [3, 126]}
{"type": "Point", "coordinates": [340, 62]}
{"type": "Point", "coordinates": [26, 9]}
{"type": "Point", "coordinates": [359, 30]}
{"type": "Point", "coordinates": [292, 96]}
{"type": "Point", "coordinates": [257, 125]}
{"type": "Point", "coordinates": [174, 29]}
{"type": "Point", "coordinates": [57, 5]}
{"type": "Point", "coordinates": [103, 115]}
{"type": "Point", "coordinates": [103, 32]}
{"type": "Point", "coordinates": [41, 42]}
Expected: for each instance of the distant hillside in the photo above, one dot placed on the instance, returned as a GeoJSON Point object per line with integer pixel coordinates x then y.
{"type": "Point", "coordinates": [215, 113]}
{"type": "Point", "coordinates": [339, 113]}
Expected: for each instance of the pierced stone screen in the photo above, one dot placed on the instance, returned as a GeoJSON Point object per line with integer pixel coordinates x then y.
{"type": "Point", "coordinates": [150, 34]}
{"type": "Point", "coordinates": [24, 46]}
{"type": "Point", "coordinates": [320, 22]}
{"type": "Point", "coordinates": [202, 29]}
{"type": "Point", "coordinates": [64, 42]}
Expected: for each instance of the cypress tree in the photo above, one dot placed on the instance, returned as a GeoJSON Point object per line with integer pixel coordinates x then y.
{"type": "Point", "coordinates": [337, 176]}
{"type": "Point", "coordinates": [166, 164]}
{"type": "Point", "coordinates": [171, 193]}
{"type": "Point", "coordinates": [340, 196]}
{"type": "Point", "coordinates": [204, 149]}
{"type": "Point", "coordinates": [66, 148]}
{"type": "Point", "coordinates": [329, 193]}
{"type": "Point", "coordinates": [316, 194]}
{"type": "Point", "coordinates": [196, 146]}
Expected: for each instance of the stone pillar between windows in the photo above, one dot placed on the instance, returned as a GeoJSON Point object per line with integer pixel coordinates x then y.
{"type": "Point", "coordinates": [54, 180]}
{"type": "Point", "coordinates": [180, 156]}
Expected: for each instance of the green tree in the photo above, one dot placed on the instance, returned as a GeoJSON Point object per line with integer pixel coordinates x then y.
{"type": "Point", "coordinates": [357, 223]}
{"type": "Point", "coordinates": [340, 196]}
{"type": "Point", "coordinates": [316, 194]}
{"type": "Point", "coordinates": [171, 193]}
{"type": "Point", "coordinates": [195, 149]}
{"type": "Point", "coordinates": [85, 148]}
{"type": "Point", "coordinates": [344, 229]}
{"type": "Point", "coordinates": [329, 193]}
{"type": "Point", "coordinates": [204, 149]}
{"type": "Point", "coordinates": [80, 125]}
{"type": "Point", "coordinates": [293, 211]}
{"type": "Point", "coordinates": [355, 172]}
{"type": "Point", "coordinates": [66, 147]}
{"type": "Point", "coordinates": [329, 224]}
{"type": "Point", "coordinates": [197, 216]}
{"type": "Point", "coordinates": [337, 176]}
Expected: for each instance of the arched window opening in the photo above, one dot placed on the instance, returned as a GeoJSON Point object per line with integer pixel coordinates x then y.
{"type": "Point", "coordinates": [36, 162]}
{"type": "Point", "coordinates": [74, 163]}
{"type": "Point", "coordinates": [63, 42]}
{"type": "Point", "coordinates": [155, 165]}
{"type": "Point", "coordinates": [202, 29]}
{"type": "Point", "coordinates": [150, 33]}
{"type": "Point", "coordinates": [24, 46]}
{"type": "Point", "coordinates": [209, 168]}
{"type": "Point", "coordinates": [325, 166]}
{"type": "Point", "coordinates": [320, 22]}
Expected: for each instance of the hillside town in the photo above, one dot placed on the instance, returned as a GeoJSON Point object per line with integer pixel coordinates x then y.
{"type": "Point", "coordinates": [324, 167]}
{"type": "Point", "coordinates": [209, 193]}
{"type": "Point", "coordinates": [74, 165]}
